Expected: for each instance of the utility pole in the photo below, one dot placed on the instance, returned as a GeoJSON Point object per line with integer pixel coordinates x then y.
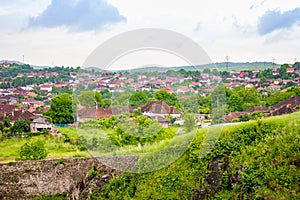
{"type": "Point", "coordinates": [227, 60]}
{"type": "Point", "coordinates": [23, 58]}
{"type": "Point", "coordinates": [273, 61]}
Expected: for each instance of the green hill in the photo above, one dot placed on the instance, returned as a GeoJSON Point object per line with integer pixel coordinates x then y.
{"type": "Point", "coordinates": [254, 160]}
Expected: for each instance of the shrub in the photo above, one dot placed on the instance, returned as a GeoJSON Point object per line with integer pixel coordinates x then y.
{"type": "Point", "coordinates": [33, 151]}
{"type": "Point", "coordinates": [92, 173]}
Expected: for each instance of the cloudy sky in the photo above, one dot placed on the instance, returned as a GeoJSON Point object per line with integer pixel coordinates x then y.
{"type": "Point", "coordinates": [65, 32]}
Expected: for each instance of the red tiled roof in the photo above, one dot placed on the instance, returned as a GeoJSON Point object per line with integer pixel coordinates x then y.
{"type": "Point", "coordinates": [292, 101]}
{"type": "Point", "coordinates": [262, 109]}
{"type": "Point", "coordinates": [7, 108]}
{"type": "Point", "coordinates": [159, 107]}
{"type": "Point", "coordinates": [21, 115]}
{"type": "Point", "coordinates": [233, 115]}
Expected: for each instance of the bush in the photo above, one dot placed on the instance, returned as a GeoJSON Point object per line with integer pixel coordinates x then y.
{"type": "Point", "coordinates": [33, 151]}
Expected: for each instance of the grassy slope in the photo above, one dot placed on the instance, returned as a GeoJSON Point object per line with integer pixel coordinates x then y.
{"type": "Point", "coordinates": [265, 155]}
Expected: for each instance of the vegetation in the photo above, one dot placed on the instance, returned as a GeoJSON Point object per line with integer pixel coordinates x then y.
{"type": "Point", "coordinates": [34, 150]}
{"type": "Point", "coordinates": [69, 145]}
{"type": "Point", "coordinates": [255, 160]}
{"type": "Point", "coordinates": [90, 98]}
{"type": "Point", "coordinates": [61, 109]}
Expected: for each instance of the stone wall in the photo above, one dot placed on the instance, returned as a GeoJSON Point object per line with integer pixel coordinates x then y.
{"type": "Point", "coordinates": [25, 180]}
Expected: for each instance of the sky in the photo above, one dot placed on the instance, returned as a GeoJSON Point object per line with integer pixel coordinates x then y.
{"type": "Point", "coordinates": [65, 32]}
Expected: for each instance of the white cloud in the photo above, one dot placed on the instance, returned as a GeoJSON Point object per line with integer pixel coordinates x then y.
{"type": "Point", "coordinates": [226, 28]}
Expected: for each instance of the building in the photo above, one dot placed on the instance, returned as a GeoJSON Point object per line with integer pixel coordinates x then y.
{"type": "Point", "coordinates": [286, 106]}
{"type": "Point", "coordinates": [40, 124]}
{"type": "Point", "coordinates": [159, 108]}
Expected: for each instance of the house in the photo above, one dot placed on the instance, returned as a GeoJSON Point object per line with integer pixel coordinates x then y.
{"type": "Point", "coordinates": [242, 74]}
{"type": "Point", "coordinates": [182, 89]}
{"type": "Point", "coordinates": [21, 115]}
{"type": "Point", "coordinates": [233, 115]}
{"type": "Point", "coordinates": [6, 110]}
{"type": "Point", "coordinates": [86, 113]}
{"type": "Point", "coordinates": [162, 120]}
{"type": "Point", "coordinates": [286, 106]}
{"type": "Point", "coordinates": [6, 64]}
{"type": "Point", "coordinates": [73, 74]}
{"type": "Point", "coordinates": [261, 109]}
{"type": "Point", "coordinates": [159, 108]}
{"type": "Point", "coordinates": [275, 72]}
{"type": "Point", "coordinates": [39, 124]}
{"type": "Point", "coordinates": [46, 87]}
{"type": "Point", "coordinates": [33, 102]}
{"type": "Point", "coordinates": [290, 70]}
{"type": "Point", "coordinates": [193, 84]}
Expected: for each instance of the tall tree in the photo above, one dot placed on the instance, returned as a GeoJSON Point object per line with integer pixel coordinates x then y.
{"type": "Point", "coordinates": [138, 98]}
{"type": "Point", "coordinates": [168, 98]}
{"type": "Point", "coordinates": [90, 98]}
{"type": "Point", "coordinates": [61, 109]}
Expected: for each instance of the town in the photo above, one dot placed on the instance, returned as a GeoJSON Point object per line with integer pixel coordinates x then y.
{"type": "Point", "coordinates": [26, 93]}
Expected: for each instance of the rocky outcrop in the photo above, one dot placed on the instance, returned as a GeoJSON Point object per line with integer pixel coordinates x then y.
{"type": "Point", "coordinates": [25, 180]}
{"type": "Point", "coordinates": [217, 171]}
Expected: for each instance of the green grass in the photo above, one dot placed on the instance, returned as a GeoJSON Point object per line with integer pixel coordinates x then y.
{"type": "Point", "coordinates": [56, 147]}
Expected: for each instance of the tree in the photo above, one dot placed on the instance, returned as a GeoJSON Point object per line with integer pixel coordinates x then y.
{"type": "Point", "coordinates": [189, 122]}
{"type": "Point", "coordinates": [296, 65]}
{"type": "Point", "coordinates": [206, 71]}
{"type": "Point", "coordinates": [244, 117]}
{"type": "Point", "coordinates": [33, 151]}
{"type": "Point", "coordinates": [121, 100]}
{"type": "Point", "coordinates": [218, 105]}
{"type": "Point", "coordinates": [90, 98]}
{"type": "Point", "coordinates": [235, 103]}
{"type": "Point", "coordinates": [61, 109]}
{"type": "Point", "coordinates": [79, 89]}
{"type": "Point", "coordinates": [138, 98]}
{"type": "Point", "coordinates": [21, 126]}
{"type": "Point", "coordinates": [106, 94]}
{"type": "Point", "coordinates": [190, 104]}
{"type": "Point", "coordinates": [257, 115]}
{"type": "Point", "coordinates": [168, 98]}
{"type": "Point", "coordinates": [6, 122]}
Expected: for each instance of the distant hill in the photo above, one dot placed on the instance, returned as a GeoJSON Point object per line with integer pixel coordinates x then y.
{"type": "Point", "coordinates": [12, 61]}
{"type": "Point", "coordinates": [21, 63]}
{"type": "Point", "coordinates": [220, 66]}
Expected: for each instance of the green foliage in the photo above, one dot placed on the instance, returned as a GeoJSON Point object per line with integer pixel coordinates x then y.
{"type": "Point", "coordinates": [244, 117]}
{"type": "Point", "coordinates": [138, 98]}
{"type": "Point", "coordinates": [189, 122]}
{"type": "Point", "coordinates": [140, 130]}
{"type": "Point", "coordinates": [241, 99]}
{"type": "Point", "coordinates": [62, 196]}
{"type": "Point", "coordinates": [6, 122]}
{"type": "Point", "coordinates": [90, 98]}
{"type": "Point", "coordinates": [61, 109]}
{"type": "Point", "coordinates": [121, 100]}
{"type": "Point", "coordinates": [34, 150]}
{"type": "Point", "coordinates": [265, 153]}
{"type": "Point", "coordinates": [92, 173]}
{"type": "Point", "coordinates": [276, 97]}
{"type": "Point", "coordinates": [21, 126]}
{"type": "Point", "coordinates": [168, 98]}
